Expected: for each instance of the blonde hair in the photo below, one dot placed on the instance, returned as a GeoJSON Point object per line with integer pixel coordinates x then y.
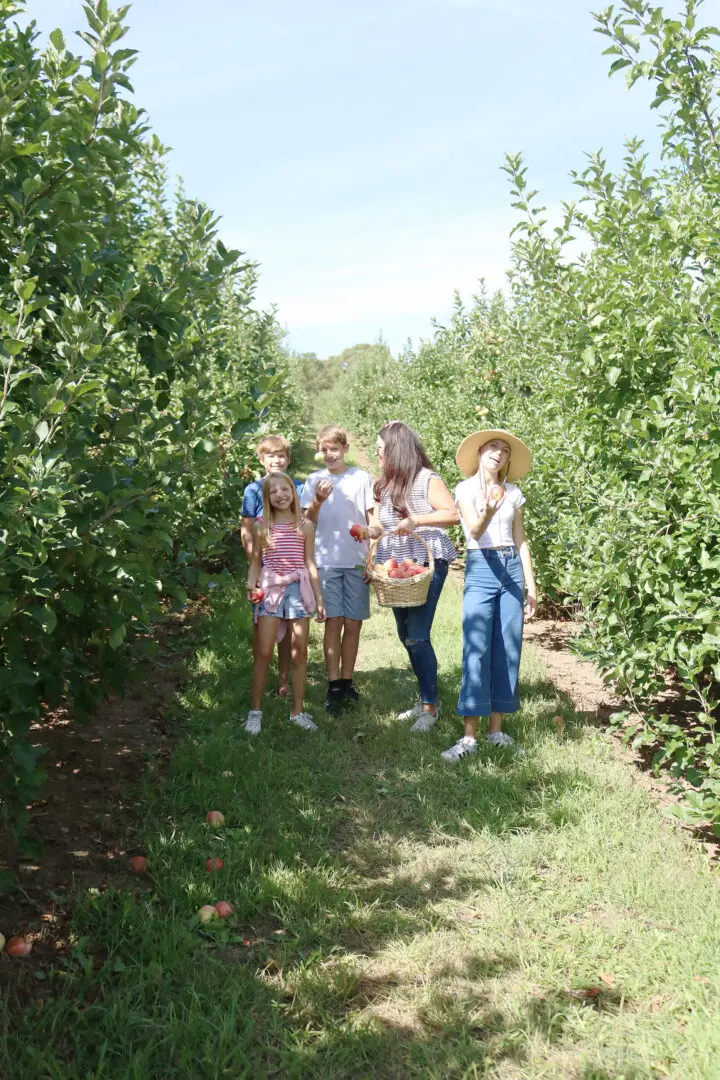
{"type": "Point", "coordinates": [332, 433]}
{"type": "Point", "coordinates": [270, 443]}
{"type": "Point", "coordinates": [265, 538]}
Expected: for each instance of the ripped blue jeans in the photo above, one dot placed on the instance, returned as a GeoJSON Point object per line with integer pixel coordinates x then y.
{"type": "Point", "coordinates": [413, 626]}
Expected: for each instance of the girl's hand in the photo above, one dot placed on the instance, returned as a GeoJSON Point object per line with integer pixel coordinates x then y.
{"type": "Point", "coordinates": [406, 526]}
{"type": "Point", "coordinates": [320, 612]}
{"type": "Point", "coordinates": [530, 607]}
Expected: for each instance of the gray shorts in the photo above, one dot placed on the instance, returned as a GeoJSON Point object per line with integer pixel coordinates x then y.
{"type": "Point", "coordinates": [345, 593]}
{"type": "Point", "coordinates": [290, 607]}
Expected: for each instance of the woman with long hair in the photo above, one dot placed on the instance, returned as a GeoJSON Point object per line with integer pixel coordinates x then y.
{"type": "Point", "coordinates": [411, 497]}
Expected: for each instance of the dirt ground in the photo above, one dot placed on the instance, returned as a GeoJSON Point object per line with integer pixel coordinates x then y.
{"type": "Point", "coordinates": [84, 820]}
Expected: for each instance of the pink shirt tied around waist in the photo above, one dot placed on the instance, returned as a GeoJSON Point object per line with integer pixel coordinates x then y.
{"type": "Point", "coordinates": [274, 586]}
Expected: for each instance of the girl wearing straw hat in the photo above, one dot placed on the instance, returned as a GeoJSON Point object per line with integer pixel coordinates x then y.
{"type": "Point", "coordinates": [498, 571]}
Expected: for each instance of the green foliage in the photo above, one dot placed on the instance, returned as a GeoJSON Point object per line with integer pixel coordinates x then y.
{"type": "Point", "coordinates": [607, 363]}
{"type": "Point", "coordinates": [135, 375]}
{"type": "Point", "coordinates": [319, 384]}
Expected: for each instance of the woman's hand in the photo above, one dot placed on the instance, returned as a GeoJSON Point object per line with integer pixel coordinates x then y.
{"type": "Point", "coordinates": [360, 533]}
{"type": "Point", "coordinates": [320, 612]}
{"type": "Point", "coordinates": [407, 525]}
{"type": "Point", "coordinates": [530, 607]}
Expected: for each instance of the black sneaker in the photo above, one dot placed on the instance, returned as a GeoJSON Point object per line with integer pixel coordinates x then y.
{"type": "Point", "coordinates": [349, 690]}
{"type": "Point", "coordinates": [334, 699]}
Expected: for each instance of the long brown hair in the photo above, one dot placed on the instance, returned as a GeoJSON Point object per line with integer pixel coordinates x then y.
{"type": "Point", "coordinates": [403, 458]}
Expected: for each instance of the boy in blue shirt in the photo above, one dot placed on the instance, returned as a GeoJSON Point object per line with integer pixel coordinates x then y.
{"type": "Point", "coordinates": [274, 455]}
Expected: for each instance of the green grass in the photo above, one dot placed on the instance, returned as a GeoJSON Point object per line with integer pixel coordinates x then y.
{"type": "Point", "coordinates": [394, 917]}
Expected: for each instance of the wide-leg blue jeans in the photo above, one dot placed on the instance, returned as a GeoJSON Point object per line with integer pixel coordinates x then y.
{"type": "Point", "coordinates": [413, 626]}
{"type": "Point", "coordinates": [493, 603]}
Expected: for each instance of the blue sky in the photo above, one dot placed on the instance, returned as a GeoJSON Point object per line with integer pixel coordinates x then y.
{"type": "Point", "coordinates": [354, 149]}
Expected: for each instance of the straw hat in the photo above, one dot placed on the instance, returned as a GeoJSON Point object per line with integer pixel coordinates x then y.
{"type": "Point", "coordinates": [467, 454]}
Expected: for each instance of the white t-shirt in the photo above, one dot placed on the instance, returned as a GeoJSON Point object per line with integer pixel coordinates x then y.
{"type": "Point", "coordinates": [351, 496]}
{"type": "Point", "coordinates": [499, 531]}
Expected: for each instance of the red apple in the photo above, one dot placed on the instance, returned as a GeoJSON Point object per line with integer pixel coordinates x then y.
{"type": "Point", "coordinates": [215, 818]}
{"type": "Point", "coordinates": [214, 864]}
{"type": "Point", "coordinates": [356, 532]}
{"type": "Point", "coordinates": [257, 595]}
{"type": "Point", "coordinates": [223, 909]}
{"type": "Point", "coordinates": [396, 573]}
{"type": "Point", "coordinates": [138, 864]}
{"type": "Point", "coordinates": [207, 912]}
{"type": "Point", "coordinates": [390, 564]}
{"type": "Point", "coordinates": [496, 492]}
{"type": "Point", "coordinates": [19, 946]}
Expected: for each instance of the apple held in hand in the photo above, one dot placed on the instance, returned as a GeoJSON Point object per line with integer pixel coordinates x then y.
{"type": "Point", "coordinates": [257, 596]}
{"type": "Point", "coordinates": [356, 531]}
{"type": "Point", "coordinates": [215, 818]}
{"type": "Point", "coordinates": [496, 492]}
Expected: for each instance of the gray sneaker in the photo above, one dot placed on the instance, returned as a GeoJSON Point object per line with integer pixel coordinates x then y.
{"type": "Point", "coordinates": [461, 749]}
{"type": "Point", "coordinates": [302, 720]}
{"type": "Point", "coordinates": [410, 714]}
{"type": "Point", "coordinates": [426, 720]}
{"type": "Point", "coordinates": [253, 724]}
{"type": "Point", "coordinates": [499, 738]}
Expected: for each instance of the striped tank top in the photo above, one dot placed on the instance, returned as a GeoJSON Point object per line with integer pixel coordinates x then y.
{"type": "Point", "coordinates": [288, 551]}
{"type": "Point", "coordinates": [408, 547]}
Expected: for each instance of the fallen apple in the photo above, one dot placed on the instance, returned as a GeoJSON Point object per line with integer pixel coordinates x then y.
{"type": "Point", "coordinates": [223, 909]}
{"type": "Point", "coordinates": [215, 818]}
{"type": "Point", "coordinates": [496, 492]}
{"type": "Point", "coordinates": [138, 864]}
{"type": "Point", "coordinates": [214, 863]}
{"type": "Point", "coordinates": [207, 912]}
{"type": "Point", "coordinates": [19, 946]}
{"type": "Point", "coordinates": [319, 457]}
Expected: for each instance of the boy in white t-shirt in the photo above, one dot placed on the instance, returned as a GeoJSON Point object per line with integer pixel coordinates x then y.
{"type": "Point", "coordinates": [336, 498]}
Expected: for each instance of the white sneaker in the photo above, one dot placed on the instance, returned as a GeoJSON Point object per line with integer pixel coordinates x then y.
{"type": "Point", "coordinates": [302, 720]}
{"type": "Point", "coordinates": [426, 720]}
{"type": "Point", "coordinates": [410, 714]}
{"type": "Point", "coordinates": [253, 724]}
{"type": "Point", "coordinates": [461, 749]}
{"type": "Point", "coordinates": [499, 738]}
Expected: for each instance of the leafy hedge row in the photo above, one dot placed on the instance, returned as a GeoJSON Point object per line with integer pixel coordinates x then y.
{"type": "Point", "coordinates": [135, 375]}
{"type": "Point", "coordinates": [608, 363]}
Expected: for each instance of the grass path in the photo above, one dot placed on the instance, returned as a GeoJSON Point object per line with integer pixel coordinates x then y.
{"type": "Point", "coordinates": [515, 917]}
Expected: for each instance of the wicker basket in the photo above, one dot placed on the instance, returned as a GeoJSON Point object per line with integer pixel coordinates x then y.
{"type": "Point", "coordinates": [393, 592]}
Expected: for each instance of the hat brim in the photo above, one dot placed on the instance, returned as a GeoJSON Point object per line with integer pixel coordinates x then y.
{"type": "Point", "coordinates": [467, 454]}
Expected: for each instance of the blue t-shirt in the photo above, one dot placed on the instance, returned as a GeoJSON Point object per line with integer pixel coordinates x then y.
{"type": "Point", "coordinates": [252, 504]}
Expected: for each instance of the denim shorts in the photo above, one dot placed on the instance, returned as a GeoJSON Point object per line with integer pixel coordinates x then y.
{"type": "Point", "coordinates": [345, 592]}
{"type": "Point", "coordinates": [290, 607]}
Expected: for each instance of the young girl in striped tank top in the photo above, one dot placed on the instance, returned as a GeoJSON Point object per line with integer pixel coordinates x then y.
{"type": "Point", "coordinates": [283, 582]}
